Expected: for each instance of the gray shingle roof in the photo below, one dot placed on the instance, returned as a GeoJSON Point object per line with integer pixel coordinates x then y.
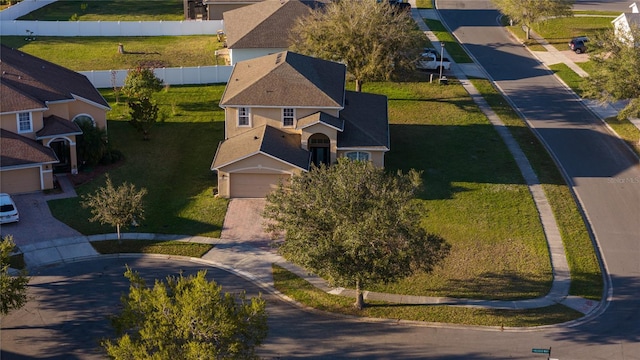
{"type": "Point", "coordinates": [266, 140]}
{"type": "Point", "coordinates": [266, 24]}
{"type": "Point", "coordinates": [55, 126]}
{"type": "Point", "coordinates": [286, 79]}
{"type": "Point", "coordinates": [366, 121]}
{"type": "Point", "coordinates": [19, 150]}
{"type": "Point", "coordinates": [29, 82]}
{"type": "Point", "coordinates": [320, 118]}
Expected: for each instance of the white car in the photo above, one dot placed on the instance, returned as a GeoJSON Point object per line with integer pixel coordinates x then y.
{"type": "Point", "coordinates": [8, 209]}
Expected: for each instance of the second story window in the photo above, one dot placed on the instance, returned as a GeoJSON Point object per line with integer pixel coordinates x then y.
{"type": "Point", "coordinates": [244, 116]}
{"type": "Point", "coordinates": [25, 124]}
{"type": "Point", "coordinates": [288, 117]}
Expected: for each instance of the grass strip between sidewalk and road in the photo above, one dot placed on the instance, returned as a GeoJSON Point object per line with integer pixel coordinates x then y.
{"type": "Point", "coordinates": [304, 293]}
{"type": "Point", "coordinates": [177, 248]}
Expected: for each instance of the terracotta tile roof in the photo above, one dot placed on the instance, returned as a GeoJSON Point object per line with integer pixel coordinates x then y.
{"type": "Point", "coordinates": [266, 24]}
{"type": "Point", "coordinates": [320, 118]}
{"type": "Point", "coordinates": [366, 121]}
{"type": "Point", "coordinates": [266, 140]}
{"type": "Point", "coordinates": [56, 126]}
{"type": "Point", "coordinates": [19, 150]}
{"type": "Point", "coordinates": [29, 82]}
{"type": "Point", "coordinates": [286, 79]}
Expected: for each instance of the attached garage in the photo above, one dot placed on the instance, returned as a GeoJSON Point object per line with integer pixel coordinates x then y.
{"type": "Point", "coordinates": [254, 185]}
{"type": "Point", "coordinates": [20, 180]}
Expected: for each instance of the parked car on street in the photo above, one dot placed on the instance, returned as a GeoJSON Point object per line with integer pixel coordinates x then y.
{"type": "Point", "coordinates": [8, 209]}
{"type": "Point", "coordinates": [578, 44]}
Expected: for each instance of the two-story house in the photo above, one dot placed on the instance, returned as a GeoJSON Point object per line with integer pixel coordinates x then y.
{"type": "Point", "coordinates": [287, 111]}
{"type": "Point", "coordinates": [263, 28]}
{"type": "Point", "coordinates": [40, 106]}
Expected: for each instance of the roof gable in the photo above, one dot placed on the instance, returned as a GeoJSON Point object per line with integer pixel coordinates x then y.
{"type": "Point", "coordinates": [286, 79]}
{"type": "Point", "coordinates": [18, 150]}
{"type": "Point", "coordinates": [265, 24]}
{"type": "Point", "coordinates": [321, 118]}
{"type": "Point", "coordinates": [262, 140]}
{"type": "Point", "coordinates": [27, 80]}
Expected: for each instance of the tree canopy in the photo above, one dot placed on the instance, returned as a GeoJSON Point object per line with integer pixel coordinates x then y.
{"type": "Point", "coordinates": [141, 82]}
{"type": "Point", "coordinates": [353, 224]}
{"type": "Point", "coordinates": [13, 288]}
{"type": "Point", "coordinates": [616, 74]}
{"type": "Point", "coordinates": [372, 38]}
{"type": "Point", "coordinates": [529, 12]}
{"type": "Point", "coordinates": [186, 318]}
{"type": "Point", "coordinates": [116, 206]}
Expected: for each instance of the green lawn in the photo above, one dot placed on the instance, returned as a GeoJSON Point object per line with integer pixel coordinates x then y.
{"type": "Point", "coordinates": [109, 10]}
{"type": "Point", "coordinates": [178, 248]}
{"type": "Point", "coordinates": [305, 293]}
{"type": "Point", "coordinates": [475, 196]}
{"type": "Point", "coordinates": [101, 53]}
{"type": "Point", "coordinates": [173, 165]}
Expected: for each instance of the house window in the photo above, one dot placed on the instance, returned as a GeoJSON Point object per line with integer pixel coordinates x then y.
{"type": "Point", "coordinates": [84, 119]}
{"type": "Point", "coordinates": [358, 155]}
{"type": "Point", "coordinates": [288, 117]}
{"type": "Point", "coordinates": [25, 123]}
{"type": "Point", "coordinates": [244, 116]}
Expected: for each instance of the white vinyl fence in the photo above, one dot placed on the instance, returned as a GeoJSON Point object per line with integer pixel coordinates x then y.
{"type": "Point", "coordinates": [103, 79]}
{"type": "Point", "coordinates": [22, 8]}
{"type": "Point", "coordinates": [109, 28]}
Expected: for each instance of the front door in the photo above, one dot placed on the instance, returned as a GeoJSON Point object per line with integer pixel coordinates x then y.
{"type": "Point", "coordinates": [319, 146]}
{"type": "Point", "coordinates": [61, 148]}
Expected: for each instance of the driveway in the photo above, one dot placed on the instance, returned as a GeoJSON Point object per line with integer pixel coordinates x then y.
{"type": "Point", "coordinates": [36, 221]}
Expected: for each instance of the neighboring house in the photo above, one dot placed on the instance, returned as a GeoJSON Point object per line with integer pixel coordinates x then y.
{"type": "Point", "coordinates": [285, 112]}
{"type": "Point", "coordinates": [626, 21]}
{"type": "Point", "coordinates": [40, 106]}
{"type": "Point", "coordinates": [263, 28]}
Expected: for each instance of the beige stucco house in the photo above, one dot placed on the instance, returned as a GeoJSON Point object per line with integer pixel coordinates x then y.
{"type": "Point", "coordinates": [285, 112]}
{"type": "Point", "coordinates": [40, 106]}
{"type": "Point", "coordinates": [263, 28]}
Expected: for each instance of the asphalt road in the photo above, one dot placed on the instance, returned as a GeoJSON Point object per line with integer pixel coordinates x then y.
{"type": "Point", "coordinates": [604, 173]}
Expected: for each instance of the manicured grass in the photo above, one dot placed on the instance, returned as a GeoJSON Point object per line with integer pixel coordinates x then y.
{"type": "Point", "coordinates": [475, 196]}
{"type": "Point", "coordinates": [569, 76]}
{"type": "Point", "coordinates": [109, 10]}
{"type": "Point", "coordinates": [627, 131]}
{"type": "Point", "coordinates": [177, 248]}
{"type": "Point", "coordinates": [173, 165]}
{"type": "Point", "coordinates": [303, 292]}
{"type": "Point", "coordinates": [586, 278]}
{"type": "Point", "coordinates": [451, 44]}
{"type": "Point", "coordinates": [559, 31]}
{"type": "Point", "coordinates": [424, 4]}
{"type": "Point", "coordinates": [101, 53]}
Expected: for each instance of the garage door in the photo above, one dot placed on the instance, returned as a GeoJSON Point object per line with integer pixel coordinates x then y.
{"type": "Point", "coordinates": [20, 181]}
{"type": "Point", "coordinates": [254, 185]}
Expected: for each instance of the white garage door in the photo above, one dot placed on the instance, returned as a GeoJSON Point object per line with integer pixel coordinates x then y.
{"type": "Point", "coordinates": [254, 185]}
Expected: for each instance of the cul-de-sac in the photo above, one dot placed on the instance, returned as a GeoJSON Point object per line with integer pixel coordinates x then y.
{"type": "Point", "coordinates": [320, 179]}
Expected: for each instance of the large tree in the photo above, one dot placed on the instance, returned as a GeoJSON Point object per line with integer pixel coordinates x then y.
{"type": "Point", "coordinates": [616, 74]}
{"type": "Point", "coordinates": [529, 12]}
{"type": "Point", "coordinates": [372, 38]}
{"type": "Point", "coordinates": [13, 288]}
{"type": "Point", "coordinates": [354, 224]}
{"type": "Point", "coordinates": [186, 318]}
{"type": "Point", "coordinates": [116, 206]}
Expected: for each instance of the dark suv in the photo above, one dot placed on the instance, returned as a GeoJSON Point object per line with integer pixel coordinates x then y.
{"type": "Point", "coordinates": [579, 44]}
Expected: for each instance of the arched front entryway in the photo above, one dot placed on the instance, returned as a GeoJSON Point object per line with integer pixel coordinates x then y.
{"type": "Point", "coordinates": [319, 146]}
{"type": "Point", "coordinates": [62, 149]}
